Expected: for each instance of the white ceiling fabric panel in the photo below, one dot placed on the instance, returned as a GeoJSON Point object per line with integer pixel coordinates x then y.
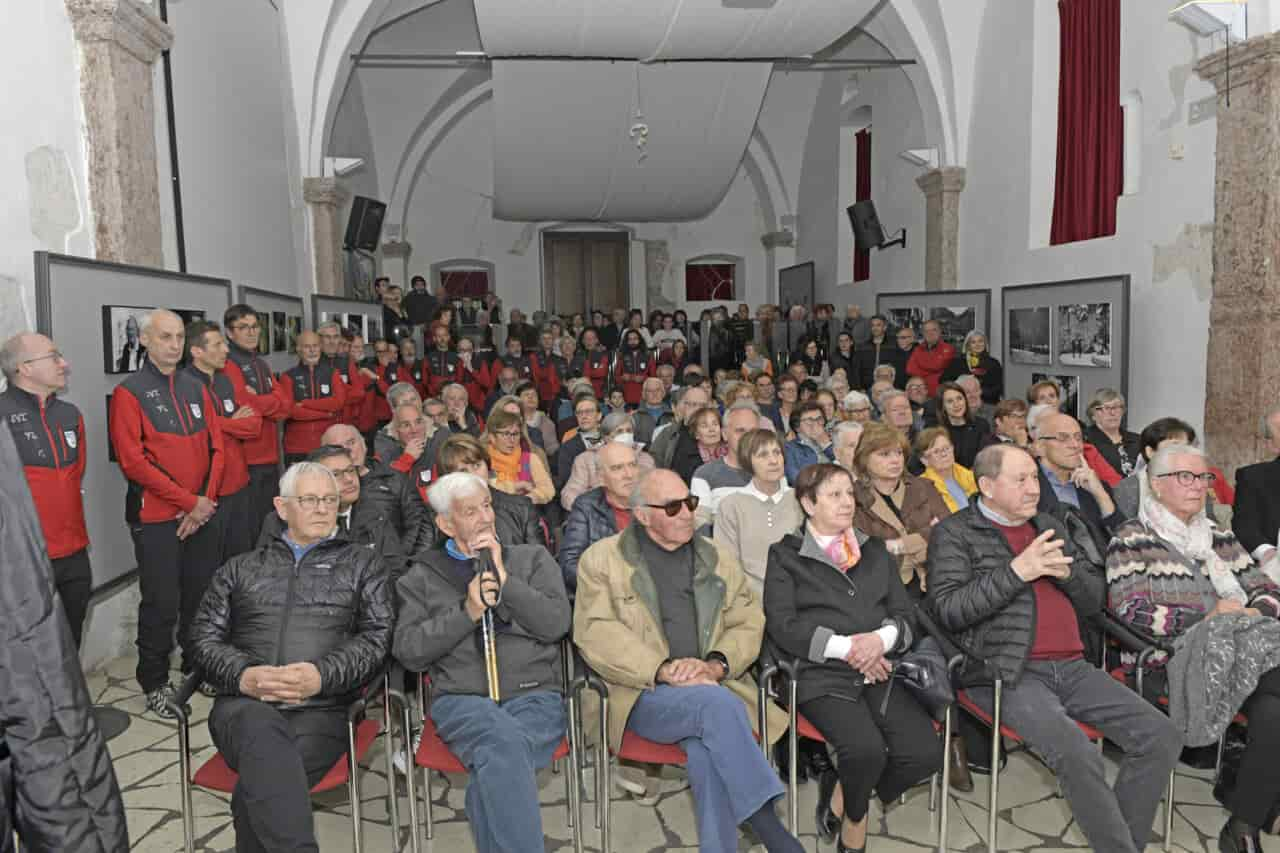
{"type": "Point", "coordinates": [665, 29]}
{"type": "Point", "coordinates": [564, 146]}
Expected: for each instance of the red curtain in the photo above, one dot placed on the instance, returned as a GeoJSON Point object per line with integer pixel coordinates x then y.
{"type": "Point", "coordinates": [1090, 122]}
{"type": "Point", "coordinates": [465, 284]}
{"type": "Point", "coordinates": [862, 192]}
{"type": "Point", "coordinates": [708, 282]}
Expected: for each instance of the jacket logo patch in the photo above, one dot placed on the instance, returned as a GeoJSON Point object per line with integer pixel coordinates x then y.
{"type": "Point", "coordinates": [70, 436]}
{"type": "Point", "coordinates": [424, 476]}
{"type": "Point", "coordinates": [195, 410]}
{"type": "Point", "coordinates": [18, 418]}
{"type": "Point", "coordinates": [344, 378]}
{"type": "Point", "coordinates": [229, 406]}
{"type": "Point", "coordinates": [324, 389]}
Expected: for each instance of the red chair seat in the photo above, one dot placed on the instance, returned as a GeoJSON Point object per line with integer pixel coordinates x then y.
{"type": "Point", "coordinates": [804, 728]}
{"type": "Point", "coordinates": [636, 748]}
{"type": "Point", "coordinates": [969, 705]}
{"type": "Point", "coordinates": [215, 775]}
{"type": "Point", "coordinates": [434, 755]}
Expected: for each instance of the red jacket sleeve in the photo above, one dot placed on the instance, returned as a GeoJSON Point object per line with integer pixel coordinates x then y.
{"type": "Point", "coordinates": [404, 464]}
{"type": "Point", "coordinates": [358, 387]}
{"type": "Point", "coordinates": [126, 438]}
{"type": "Point", "coordinates": [270, 405]}
{"type": "Point", "coordinates": [1100, 466]}
{"type": "Point", "coordinates": [328, 405]}
{"type": "Point", "coordinates": [242, 428]}
{"type": "Point", "coordinates": [217, 456]}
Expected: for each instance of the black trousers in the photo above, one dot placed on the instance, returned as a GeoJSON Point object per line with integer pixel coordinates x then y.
{"type": "Point", "coordinates": [172, 576]}
{"type": "Point", "coordinates": [264, 485]}
{"type": "Point", "coordinates": [1257, 787]}
{"type": "Point", "coordinates": [239, 526]}
{"type": "Point", "coordinates": [73, 578]}
{"type": "Point", "coordinates": [279, 756]}
{"type": "Point", "coordinates": [886, 752]}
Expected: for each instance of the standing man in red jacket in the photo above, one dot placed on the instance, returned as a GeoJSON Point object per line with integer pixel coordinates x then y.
{"type": "Point", "coordinates": [207, 352]}
{"type": "Point", "coordinates": [49, 435]}
{"type": "Point", "coordinates": [169, 447]}
{"type": "Point", "coordinates": [261, 452]}
{"type": "Point", "coordinates": [444, 366]}
{"type": "Point", "coordinates": [316, 395]}
{"type": "Point", "coordinates": [930, 359]}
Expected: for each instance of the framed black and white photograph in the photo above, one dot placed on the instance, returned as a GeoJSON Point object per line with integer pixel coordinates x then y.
{"type": "Point", "coordinates": [122, 349]}
{"type": "Point", "coordinates": [1079, 326]}
{"type": "Point", "coordinates": [264, 332]}
{"type": "Point", "coordinates": [354, 323]}
{"type": "Point", "coordinates": [293, 328]}
{"type": "Point", "coordinates": [375, 329]}
{"type": "Point", "coordinates": [1084, 334]}
{"type": "Point", "coordinates": [956, 322]}
{"type": "Point", "coordinates": [1029, 337]}
{"type": "Point", "coordinates": [959, 312]}
{"type": "Point", "coordinates": [1068, 391]}
{"type": "Point", "coordinates": [279, 334]}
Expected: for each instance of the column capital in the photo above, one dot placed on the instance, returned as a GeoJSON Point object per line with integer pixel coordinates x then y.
{"type": "Point", "coordinates": [1242, 62]}
{"type": "Point", "coordinates": [394, 249]}
{"type": "Point", "coordinates": [944, 179]}
{"type": "Point", "coordinates": [128, 23]}
{"type": "Point", "coordinates": [325, 191]}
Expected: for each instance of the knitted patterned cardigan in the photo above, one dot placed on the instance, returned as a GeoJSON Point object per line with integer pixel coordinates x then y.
{"type": "Point", "coordinates": [1154, 587]}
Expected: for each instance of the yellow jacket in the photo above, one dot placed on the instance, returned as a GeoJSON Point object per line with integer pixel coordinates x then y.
{"type": "Point", "coordinates": [962, 475]}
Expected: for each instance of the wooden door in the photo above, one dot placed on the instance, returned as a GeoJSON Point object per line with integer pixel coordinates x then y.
{"type": "Point", "coordinates": [584, 271]}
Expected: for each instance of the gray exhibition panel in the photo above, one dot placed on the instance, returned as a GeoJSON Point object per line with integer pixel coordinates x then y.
{"type": "Point", "coordinates": [345, 311]}
{"type": "Point", "coordinates": [70, 296]}
{"type": "Point", "coordinates": [959, 312]}
{"type": "Point", "coordinates": [1075, 332]}
{"type": "Point", "coordinates": [270, 303]}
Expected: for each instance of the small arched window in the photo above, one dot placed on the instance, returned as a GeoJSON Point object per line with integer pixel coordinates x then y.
{"type": "Point", "coordinates": [711, 278]}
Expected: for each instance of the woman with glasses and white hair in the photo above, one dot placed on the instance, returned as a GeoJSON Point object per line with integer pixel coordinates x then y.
{"type": "Point", "coordinates": [616, 426]}
{"type": "Point", "coordinates": [1170, 569]}
{"type": "Point", "coordinates": [1121, 448]}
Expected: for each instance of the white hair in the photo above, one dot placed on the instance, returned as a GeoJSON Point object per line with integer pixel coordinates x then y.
{"type": "Point", "coordinates": [298, 470]}
{"type": "Point", "coordinates": [401, 390]}
{"type": "Point", "coordinates": [1033, 416]}
{"type": "Point", "coordinates": [887, 369]}
{"type": "Point", "coordinates": [452, 386]}
{"type": "Point", "coordinates": [1162, 461]}
{"type": "Point", "coordinates": [854, 398]}
{"type": "Point", "coordinates": [967, 378]}
{"type": "Point", "coordinates": [739, 406]}
{"type": "Point", "coordinates": [889, 396]}
{"type": "Point", "coordinates": [328, 324]}
{"type": "Point", "coordinates": [844, 428]}
{"type": "Point", "coordinates": [450, 487]}
{"type": "Point", "coordinates": [11, 355]}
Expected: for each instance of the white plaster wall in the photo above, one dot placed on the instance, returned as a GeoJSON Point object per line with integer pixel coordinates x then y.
{"type": "Point", "coordinates": [233, 121]}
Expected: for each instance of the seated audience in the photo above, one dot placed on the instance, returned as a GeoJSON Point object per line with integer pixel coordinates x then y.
{"type": "Point", "coordinates": [288, 633]}
{"type": "Point", "coordinates": [856, 407]}
{"type": "Point", "coordinates": [670, 680]}
{"type": "Point", "coordinates": [386, 445]}
{"type": "Point", "coordinates": [602, 511]}
{"type": "Point", "coordinates": [930, 358]}
{"type": "Point", "coordinates": [536, 420]}
{"type": "Point", "coordinates": [883, 739]}
{"type": "Point", "coordinates": [897, 413]}
{"type": "Point", "coordinates": [788, 391]}
{"type": "Point", "coordinates": [838, 384]}
{"type": "Point", "coordinates": [754, 361]}
{"type": "Point", "coordinates": [1044, 393]}
{"type": "Point", "coordinates": [968, 433]}
{"type": "Point", "coordinates": [388, 492]}
{"type": "Point", "coordinates": [654, 409]}
{"type": "Point", "coordinates": [704, 426]}
{"type": "Point", "coordinates": [1256, 515]}
{"type": "Point", "coordinates": [895, 505]}
{"type": "Point", "coordinates": [753, 518]}
{"type": "Point", "coordinates": [619, 427]}
{"type": "Point", "coordinates": [413, 431]}
{"type": "Point", "coordinates": [674, 439]}
{"type": "Point", "coordinates": [633, 364]}
{"type": "Point", "coordinates": [1009, 423]}
{"type": "Point", "coordinates": [1002, 582]}
{"type": "Point", "coordinates": [953, 482]}
{"type": "Point", "coordinates": [715, 480]}
{"type": "Point", "coordinates": [1048, 394]}
{"type": "Point", "coordinates": [1157, 435]}
{"type": "Point", "coordinates": [972, 388]}
{"type": "Point", "coordinates": [976, 360]}
{"type": "Point", "coordinates": [845, 439]}
{"type": "Point", "coordinates": [843, 357]}
{"type": "Point", "coordinates": [502, 743]}
{"type": "Point", "coordinates": [584, 436]}
{"type": "Point", "coordinates": [516, 466]}
{"type": "Point", "coordinates": [766, 398]}
{"type": "Point", "coordinates": [1171, 568]}
{"type": "Point", "coordinates": [1065, 478]}
{"type": "Point", "coordinates": [884, 373]}
{"type": "Point", "coordinates": [826, 398]}
{"type": "Point", "coordinates": [459, 417]}
{"type": "Point", "coordinates": [1117, 445]}
{"type": "Point", "coordinates": [515, 517]}
{"type": "Point", "coordinates": [811, 444]}
{"type": "Point", "coordinates": [877, 350]}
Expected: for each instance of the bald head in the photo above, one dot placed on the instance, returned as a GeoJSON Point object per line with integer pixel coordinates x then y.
{"type": "Point", "coordinates": [164, 336]}
{"type": "Point", "coordinates": [1061, 442]}
{"type": "Point", "coordinates": [658, 488]}
{"type": "Point", "coordinates": [345, 435]}
{"type": "Point", "coordinates": [309, 348]}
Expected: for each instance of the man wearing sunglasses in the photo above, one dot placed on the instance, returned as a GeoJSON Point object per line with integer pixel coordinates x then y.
{"type": "Point", "coordinates": [667, 619]}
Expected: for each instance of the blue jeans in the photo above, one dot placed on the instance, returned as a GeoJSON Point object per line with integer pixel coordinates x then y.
{"type": "Point", "coordinates": [729, 775]}
{"type": "Point", "coordinates": [503, 746]}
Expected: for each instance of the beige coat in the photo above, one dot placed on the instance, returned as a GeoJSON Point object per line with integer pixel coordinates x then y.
{"type": "Point", "coordinates": [617, 627]}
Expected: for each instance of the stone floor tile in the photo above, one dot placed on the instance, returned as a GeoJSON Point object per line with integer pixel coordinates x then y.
{"type": "Point", "coordinates": [1047, 817]}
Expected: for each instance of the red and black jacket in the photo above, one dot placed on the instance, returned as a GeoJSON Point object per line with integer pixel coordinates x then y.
{"type": "Point", "coordinates": [167, 444]}
{"type": "Point", "coordinates": [443, 367]}
{"type": "Point", "coordinates": [477, 380]}
{"type": "Point", "coordinates": [545, 377]}
{"type": "Point", "coordinates": [260, 393]}
{"type": "Point", "coordinates": [522, 366]}
{"type": "Point", "coordinates": [357, 389]}
{"type": "Point", "coordinates": [227, 398]}
{"type": "Point", "coordinates": [316, 396]}
{"type": "Point", "coordinates": [631, 363]}
{"type": "Point", "coordinates": [50, 441]}
{"type": "Point", "coordinates": [416, 374]}
{"type": "Point", "coordinates": [593, 365]}
{"type": "Point", "coordinates": [377, 410]}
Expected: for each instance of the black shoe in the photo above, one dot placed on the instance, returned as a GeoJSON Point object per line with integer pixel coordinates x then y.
{"type": "Point", "coordinates": [816, 757]}
{"type": "Point", "coordinates": [783, 759]}
{"type": "Point", "coordinates": [982, 765]}
{"type": "Point", "coordinates": [1239, 837]}
{"type": "Point", "coordinates": [840, 848]}
{"type": "Point", "coordinates": [828, 821]}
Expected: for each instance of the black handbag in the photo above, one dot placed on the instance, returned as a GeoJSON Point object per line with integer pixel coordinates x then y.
{"type": "Point", "coordinates": [923, 672]}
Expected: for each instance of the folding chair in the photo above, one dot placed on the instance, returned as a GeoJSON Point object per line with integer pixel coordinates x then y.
{"type": "Point", "coordinates": [216, 775]}
{"type": "Point", "coordinates": [434, 755]}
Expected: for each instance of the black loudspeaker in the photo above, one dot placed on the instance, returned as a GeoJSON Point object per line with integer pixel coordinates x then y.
{"type": "Point", "coordinates": [364, 225]}
{"type": "Point", "coordinates": [867, 231]}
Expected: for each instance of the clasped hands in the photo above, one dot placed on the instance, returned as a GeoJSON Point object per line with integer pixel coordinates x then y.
{"type": "Point", "coordinates": [866, 655]}
{"type": "Point", "coordinates": [687, 672]}
{"type": "Point", "coordinates": [290, 684]}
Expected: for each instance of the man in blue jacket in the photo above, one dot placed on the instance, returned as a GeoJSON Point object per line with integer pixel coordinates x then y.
{"type": "Point", "coordinates": [811, 444]}
{"type": "Point", "coordinates": [602, 511]}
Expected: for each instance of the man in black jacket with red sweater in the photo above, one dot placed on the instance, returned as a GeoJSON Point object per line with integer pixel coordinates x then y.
{"type": "Point", "coordinates": [1003, 583]}
{"type": "Point", "coordinates": [288, 633]}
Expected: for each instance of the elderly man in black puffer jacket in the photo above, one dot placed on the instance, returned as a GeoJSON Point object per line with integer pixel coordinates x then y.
{"type": "Point", "coordinates": [1003, 582]}
{"type": "Point", "coordinates": [288, 633]}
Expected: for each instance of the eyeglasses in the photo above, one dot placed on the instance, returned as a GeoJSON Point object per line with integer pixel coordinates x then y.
{"type": "Point", "coordinates": [672, 508]}
{"type": "Point", "coordinates": [1187, 478]}
{"type": "Point", "coordinates": [1112, 408]}
{"type": "Point", "coordinates": [1065, 437]}
{"type": "Point", "coordinates": [247, 327]}
{"type": "Point", "coordinates": [312, 502]}
{"type": "Point", "coordinates": [510, 434]}
{"type": "Point", "coordinates": [55, 355]}
{"type": "Point", "coordinates": [812, 421]}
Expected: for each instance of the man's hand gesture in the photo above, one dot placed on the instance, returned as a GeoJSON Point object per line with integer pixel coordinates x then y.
{"type": "Point", "coordinates": [1042, 558]}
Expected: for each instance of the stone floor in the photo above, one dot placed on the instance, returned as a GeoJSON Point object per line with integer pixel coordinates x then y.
{"type": "Point", "coordinates": [1032, 817]}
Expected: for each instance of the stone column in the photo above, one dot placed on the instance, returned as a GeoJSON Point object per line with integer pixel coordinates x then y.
{"type": "Point", "coordinates": [941, 189]}
{"type": "Point", "coordinates": [1242, 381]}
{"type": "Point", "coordinates": [325, 198]}
{"type": "Point", "coordinates": [396, 250]}
{"type": "Point", "coordinates": [119, 40]}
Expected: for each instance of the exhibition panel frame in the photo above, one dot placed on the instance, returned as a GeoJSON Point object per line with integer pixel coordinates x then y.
{"type": "Point", "coordinates": [959, 312]}
{"type": "Point", "coordinates": [91, 310]}
{"type": "Point", "coordinates": [268, 304]}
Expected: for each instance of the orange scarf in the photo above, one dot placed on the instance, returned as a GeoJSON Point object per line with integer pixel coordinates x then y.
{"type": "Point", "coordinates": [509, 467]}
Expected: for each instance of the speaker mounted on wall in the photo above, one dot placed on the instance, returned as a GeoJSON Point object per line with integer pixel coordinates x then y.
{"type": "Point", "coordinates": [364, 225]}
{"type": "Point", "coordinates": [868, 233]}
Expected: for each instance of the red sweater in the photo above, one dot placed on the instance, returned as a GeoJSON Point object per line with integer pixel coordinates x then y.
{"type": "Point", "coordinates": [929, 364]}
{"type": "Point", "coordinates": [1057, 631]}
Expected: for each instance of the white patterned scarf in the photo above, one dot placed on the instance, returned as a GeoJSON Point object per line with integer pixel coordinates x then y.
{"type": "Point", "coordinates": [1194, 541]}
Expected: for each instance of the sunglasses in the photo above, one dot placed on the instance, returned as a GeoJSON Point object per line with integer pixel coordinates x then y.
{"type": "Point", "coordinates": [672, 508]}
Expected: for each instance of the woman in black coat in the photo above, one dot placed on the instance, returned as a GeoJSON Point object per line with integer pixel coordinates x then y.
{"type": "Point", "coordinates": [834, 599]}
{"type": "Point", "coordinates": [975, 360]}
{"type": "Point", "coordinates": [968, 432]}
